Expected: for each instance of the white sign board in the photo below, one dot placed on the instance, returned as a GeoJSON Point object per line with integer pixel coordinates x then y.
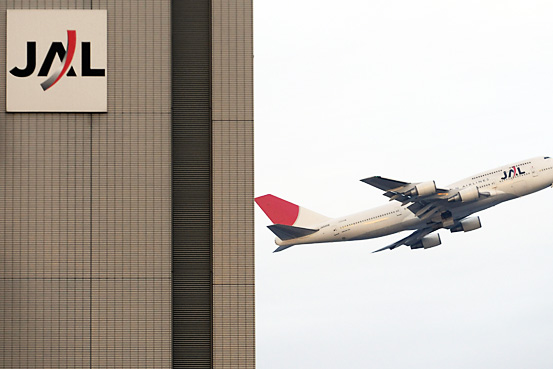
{"type": "Point", "coordinates": [56, 61]}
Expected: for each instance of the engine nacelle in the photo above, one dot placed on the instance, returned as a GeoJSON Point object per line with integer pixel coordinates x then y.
{"type": "Point", "coordinates": [427, 242]}
{"type": "Point", "coordinates": [424, 189]}
{"type": "Point", "coordinates": [467, 225]}
{"type": "Point", "coordinates": [466, 195]}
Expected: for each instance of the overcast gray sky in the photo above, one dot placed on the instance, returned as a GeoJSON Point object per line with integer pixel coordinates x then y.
{"type": "Point", "coordinates": [415, 91]}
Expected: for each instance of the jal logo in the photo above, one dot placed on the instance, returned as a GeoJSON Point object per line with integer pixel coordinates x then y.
{"type": "Point", "coordinates": [56, 61]}
{"type": "Point", "coordinates": [513, 172]}
{"type": "Point", "coordinates": [65, 55]}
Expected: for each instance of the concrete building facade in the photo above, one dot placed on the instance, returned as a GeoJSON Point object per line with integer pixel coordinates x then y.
{"type": "Point", "coordinates": [126, 238]}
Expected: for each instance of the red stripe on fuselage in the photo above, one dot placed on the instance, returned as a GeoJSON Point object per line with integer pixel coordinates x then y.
{"type": "Point", "coordinates": [278, 210]}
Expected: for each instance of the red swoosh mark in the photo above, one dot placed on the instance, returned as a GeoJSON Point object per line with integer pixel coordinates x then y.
{"type": "Point", "coordinates": [71, 45]}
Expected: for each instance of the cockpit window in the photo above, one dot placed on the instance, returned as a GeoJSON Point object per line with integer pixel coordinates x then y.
{"type": "Point", "coordinates": [547, 157]}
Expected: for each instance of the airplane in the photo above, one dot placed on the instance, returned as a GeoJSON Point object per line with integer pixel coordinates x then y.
{"type": "Point", "coordinates": [421, 207]}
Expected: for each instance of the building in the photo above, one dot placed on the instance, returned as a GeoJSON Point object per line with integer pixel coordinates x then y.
{"type": "Point", "coordinates": [126, 238]}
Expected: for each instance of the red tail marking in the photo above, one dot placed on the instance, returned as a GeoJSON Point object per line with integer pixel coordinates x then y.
{"type": "Point", "coordinates": [278, 210]}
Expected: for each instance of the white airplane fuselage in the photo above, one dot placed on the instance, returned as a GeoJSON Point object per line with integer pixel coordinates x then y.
{"type": "Point", "coordinates": [500, 184]}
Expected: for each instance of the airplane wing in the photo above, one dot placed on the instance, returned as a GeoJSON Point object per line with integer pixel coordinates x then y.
{"type": "Point", "coordinates": [412, 239]}
{"type": "Point", "coordinates": [384, 184]}
{"type": "Point", "coordinates": [426, 199]}
{"type": "Point", "coordinates": [405, 191]}
{"type": "Point", "coordinates": [427, 202]}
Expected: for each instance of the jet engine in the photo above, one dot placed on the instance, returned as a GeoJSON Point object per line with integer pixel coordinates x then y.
{"type": "Point", "coordinates": [467, 225]}
{"type": "Point", "coordinates": [427, 242]}
{"type": "Point", "coordinates": [466, 195]}
{"type": "Point", "coordinates": [423, 189]}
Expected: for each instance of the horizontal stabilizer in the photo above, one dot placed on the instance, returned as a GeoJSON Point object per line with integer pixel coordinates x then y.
{"type": "Point", "coordinates": [286, 232]}
{"type": "Point", "coordinates": [280, 248]}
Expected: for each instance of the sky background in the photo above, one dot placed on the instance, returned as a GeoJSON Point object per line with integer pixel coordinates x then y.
{"type": "Point", "coordinates": [415, 91]}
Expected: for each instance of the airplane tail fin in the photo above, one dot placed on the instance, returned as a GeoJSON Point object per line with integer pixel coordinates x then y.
{"type": "Point", "coordinates": [282, 212]}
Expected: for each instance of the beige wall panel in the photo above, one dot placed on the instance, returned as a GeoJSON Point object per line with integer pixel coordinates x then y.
{"type": "Point", "coordinates": [131, 229]}
{"type": "Point", "coordinates": [130, 325]}
{"type": "Point", "coordinates": [46, 323]}
{"type": "Point", "coordinates": [233, 252]}
{"type": "Point", "coordinates": [232, 150]}
{"type": "Point", "coordinates": [80, 185]}
{"type": "Point", "coordinates": [234, 323]}
{"type": "Point", "coordinates": [45, 192]}
{"type": "Point", "coordinates": [47, 4]}
{"type": "Point", "coordinates": [232, 58]}
{"type": "Point", "coordinates": [139, 56]}
{"type": "Point", "coordinates": [131, 187]}
{"type": "Point", "coordinates": [44, 231]}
